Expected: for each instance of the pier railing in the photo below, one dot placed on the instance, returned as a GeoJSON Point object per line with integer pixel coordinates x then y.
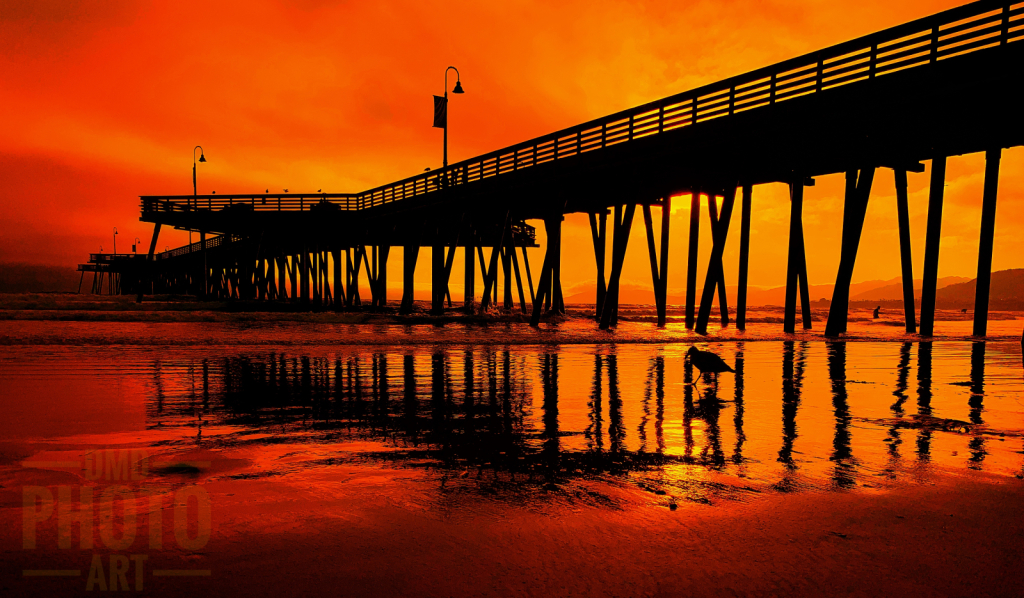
{"type": "Point", "coordinates": [974, 27]}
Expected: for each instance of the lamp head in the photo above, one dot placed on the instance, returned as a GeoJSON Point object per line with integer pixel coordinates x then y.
{"type": "Point", "coordinates": [458, 87]}
{"type": "Point", "coordinates": [202, 158]}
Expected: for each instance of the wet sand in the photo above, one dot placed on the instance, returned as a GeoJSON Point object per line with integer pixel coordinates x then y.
{"type": "Point", "coordinates": [392, 459]}
{"type": "Point", "coordinates": [381, 532]}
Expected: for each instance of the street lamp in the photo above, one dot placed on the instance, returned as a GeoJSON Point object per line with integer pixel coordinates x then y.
{"type": "Point", "coordinates": [195, 200]}
{"type": "Point", "coordinates": [202, 158]}
{"type": "Point", "coordinates": [457, 89]}
{"type": "Point", "coordinates": [135, 245]}
{"type": "Point", "coordinates": [115, 241]}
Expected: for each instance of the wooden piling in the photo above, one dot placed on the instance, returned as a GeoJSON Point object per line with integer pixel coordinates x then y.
{"type": "Point", "coordinates": [666, 218]}
{"type": "Point", "coordinates": [339, 286]}
{"type": "Point", "coordinates": [149, 261]}
{"type": "Point", "coordinates": [410, 254]}
{"type": "Point", "coordinates": [598, 233]}
{"type": "Point", "coordinates": [691, 258]}
{"type": "Point", "coordinates": [723, 303]}
{"type": "Point", "coordinates": [469, 287]}
{"type": "Point", "coordinates": [906, 260]}
{"type": "Point", "coordinates": [438, 285]}
{"type": "Point", "coordinates": [622, 224]}
{"type": "Point", "coordinates": [855, 205]}
{"type": "Point", "coordinates": [741, 291]}
{"type": "Point", "coordinates": [931, 244]}
{"type": "Point", "coordinates": [720, 235]}
{"type": "Point", "coordinates": [987, 236]}
{"type": "Point", "coordinates": [796, 194]}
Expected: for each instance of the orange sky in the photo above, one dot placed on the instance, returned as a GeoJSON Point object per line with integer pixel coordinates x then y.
{"type": "Point", "coordinates": [103, 101]}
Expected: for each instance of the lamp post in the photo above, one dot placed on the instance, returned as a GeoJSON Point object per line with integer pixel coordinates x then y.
{"type": "Point", "coordinates": [135, 245]}
{"type": "Point", "coordinates": [457, 89]}
{"type": "Point", "coordinates": [115, 241]}
{"type": "Point", "coordinates": [195, 200]}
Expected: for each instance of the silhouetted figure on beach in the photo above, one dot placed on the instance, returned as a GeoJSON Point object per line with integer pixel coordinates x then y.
{"type": "Point", "coordinates": [877, 309]}
{"type": "Point", "coordinates": [707, 362]}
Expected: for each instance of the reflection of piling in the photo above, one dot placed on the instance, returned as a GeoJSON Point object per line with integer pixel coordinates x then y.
{"type": "Point", "coordinates": [737, 452]}
{"type": "Point", "coordinates": [924, 397]}
{"type": "Point", "coordinates": [549, 379]}
{"type": "Point", "coordinates": [616, 431]}
{"type": "Point", "coordinates": [842, 452]}
{"type": "Point", "coordinates": [902, 384]}
{"type": "Point", "coordinates": [790, 404]}
{"type": "Point", "coordinates": [976, 403]}
{"type": "Point", "coordinates": [688, 410]}
{"type": "Point", "coordinates": [659, 393]}
{"type": "Point", "coordinates": [595, 429]}
{"type": "Point", "coordinates": [409, 406]}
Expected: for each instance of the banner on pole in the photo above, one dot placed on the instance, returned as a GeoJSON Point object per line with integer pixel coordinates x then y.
{"type": "Point", "coordinates": [440, 112]}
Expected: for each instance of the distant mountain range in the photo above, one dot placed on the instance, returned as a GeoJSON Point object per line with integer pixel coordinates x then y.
{"type": "Point", "coordinates": [1007, 292]}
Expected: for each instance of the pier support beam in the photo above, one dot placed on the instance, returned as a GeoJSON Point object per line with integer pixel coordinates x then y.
{"type": "Point", "coordinates": [691, 258]}
{"type": "Point", "coordinates": [719, 235]}
{"type": "Point", "coordinates": [796, 269]}
{"type": "Point", "coordinates": [659, 270]}
{"type": "Point", "coordinates": [206, 269]}
{"type": "Point", "coordinates": [741, 291]}
{"type": "Point", "coordinates": [855, 206]}
{"type": "Point", "coordinates": [906, 258]}
{"type": "Point", "coordinates": [599, 234]}
{"type": "Point", "coordinates": [506, 270]}
{"type": "Point", "coordinates": [304, 272]}
{"type": "Point", "coordinates": [380, 276]}
{"type": "Point", "coordinates": [723, 302]}
{"type": "Point", "coordinates": [146, 274]}
{"type": "Point", "coordinates": [469, 288]}
{"type": "Point", "coordinates": [931, 244]}
{"type": "Point", "coordinates": [491, 272]}
{"type": "Point", "coordinates": [438, 282]}
{"type": "Point", "coordinates": [987, 236]}
{"type": "Point", "coordinates": [553, 227]}
{"type": "Point", "coordinates": [410, 253]}
{"type": "Point", "coordinates": [529, 277]}
{"type": "Point", "coordinates": [549, 287]}
{"type": "Point", "coordinates": [339, 288]}
{"type": "Point", "coordinates": [621, 226]}
{"type": "Point", "coordinates": [519, 277]}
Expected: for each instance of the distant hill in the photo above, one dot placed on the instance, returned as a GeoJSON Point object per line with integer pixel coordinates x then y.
{"type": "Point", "coordinates": [894, 290]}
{"type": "Point", "coordinates": [1006, 292]}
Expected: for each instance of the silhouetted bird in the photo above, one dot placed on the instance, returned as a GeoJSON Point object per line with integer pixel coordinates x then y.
{"type": "Point", "coordinates": [319, 190]}
{"type": "Point", "coordinates": [286, 191]}
{"type": "Point", "coordinates": [267, 191]}
{"type": "Point", "coordinates": [877, 309]}
{"type": "Point", "coordinates": [963, 311]}
{"type": "Point", "coordinates": [707, 362]}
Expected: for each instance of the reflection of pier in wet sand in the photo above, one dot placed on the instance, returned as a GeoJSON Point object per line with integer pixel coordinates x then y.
{"type": "Point", "coordinates": [551, 415]}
